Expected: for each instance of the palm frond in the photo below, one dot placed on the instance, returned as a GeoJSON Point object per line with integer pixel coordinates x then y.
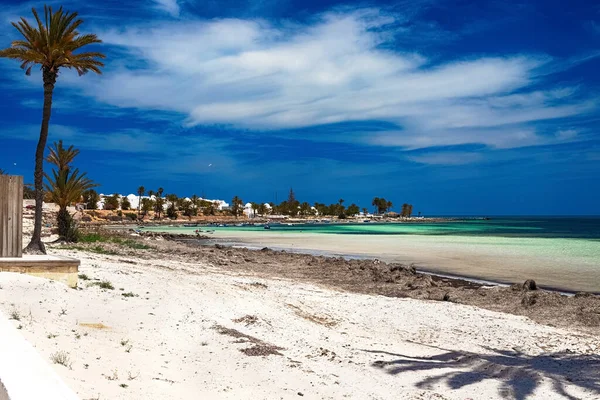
{"type": "Point", "coordinates": [51, 42]}
{"type": "Point", "coordinates": [60, 156]}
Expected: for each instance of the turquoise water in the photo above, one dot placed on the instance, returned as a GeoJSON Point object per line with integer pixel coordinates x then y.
{"type": "Point", "coordinates": [558, 252]}
{"type": "Point", "coordinates": [530, 227]}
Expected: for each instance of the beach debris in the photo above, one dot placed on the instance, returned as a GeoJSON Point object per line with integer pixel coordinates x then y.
{"type": "Point", "coordinates": [259, 348]}
{"type": "Point", "coordinates": [324, 320]}
{"type": "Point", "coordinates": [246, 320]}
{"type": "Point", "coordinates": [421, 282]}
{"type": "Point", "coordinates": [94, 325]}
{"type": "Point", "coordinates": [529, 284]}
{"type": "Point", "coordinates": [529, 299]}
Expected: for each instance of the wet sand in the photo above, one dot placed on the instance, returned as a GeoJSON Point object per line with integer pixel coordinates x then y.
{"type": "Point", "coordinates": [562, 264]}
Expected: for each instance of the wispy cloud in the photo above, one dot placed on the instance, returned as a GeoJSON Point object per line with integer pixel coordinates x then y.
{"type": "Point", "coordinates": [169, 6]}
{"type": "Point", "coordinates": [447, 158]}
{"type": "Point", "coordinates": [264, 75]}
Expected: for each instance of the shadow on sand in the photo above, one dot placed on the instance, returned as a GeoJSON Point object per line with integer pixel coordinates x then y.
{"type": "Point", "coordinates": [519, 374]}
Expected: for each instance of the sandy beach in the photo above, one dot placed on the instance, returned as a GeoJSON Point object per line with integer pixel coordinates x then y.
{"type": "Point", "coordinates": [174, 327]}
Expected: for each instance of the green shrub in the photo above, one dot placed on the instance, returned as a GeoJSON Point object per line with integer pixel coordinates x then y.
{"type": "Point", "coordinates": [131, 215]}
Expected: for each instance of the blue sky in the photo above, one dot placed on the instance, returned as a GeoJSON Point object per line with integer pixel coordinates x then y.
{"type": "Point", "coordinates": [458, 107]}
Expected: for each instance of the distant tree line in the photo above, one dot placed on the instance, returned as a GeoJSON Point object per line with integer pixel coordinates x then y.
{"type": "Point", "coordinates": [172, 206]}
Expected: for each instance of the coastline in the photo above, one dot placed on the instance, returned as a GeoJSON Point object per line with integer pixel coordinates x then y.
{"type": "Point", "coordinates": [566, 265]}
{"type": "Point", "coordinates": [183, 321]}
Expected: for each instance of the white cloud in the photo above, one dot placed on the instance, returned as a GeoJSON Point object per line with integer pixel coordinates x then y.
{"type": "Point", "coordinates": [259, 75]}
{"type": "Point", "coordinates": [450, 158]}
{"type": "Point", "coordinates": [169, 6]}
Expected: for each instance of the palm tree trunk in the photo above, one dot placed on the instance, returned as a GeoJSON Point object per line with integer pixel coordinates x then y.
{"type": "Point", "coordinates": [36, 246]}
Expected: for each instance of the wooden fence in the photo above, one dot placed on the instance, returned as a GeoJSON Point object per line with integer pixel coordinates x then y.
{"type": "Point", "coordinates": [11, 216]}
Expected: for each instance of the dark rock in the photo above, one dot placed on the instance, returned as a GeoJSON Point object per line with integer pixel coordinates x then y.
{"type": "Point", "coordinates": [529, 285]}
{"type": "Point", "coordinates": [265, 249]}
{"type": "Point", "coordinates": [219, 246]}
{"type": "Point", "coordinates": [446, 297]}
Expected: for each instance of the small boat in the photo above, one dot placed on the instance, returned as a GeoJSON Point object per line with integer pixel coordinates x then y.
{"type": "Point", "coordinates": [267, 227]}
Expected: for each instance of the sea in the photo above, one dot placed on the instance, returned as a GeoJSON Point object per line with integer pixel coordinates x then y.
{"type": "Point", "coordinates": [561, 252]}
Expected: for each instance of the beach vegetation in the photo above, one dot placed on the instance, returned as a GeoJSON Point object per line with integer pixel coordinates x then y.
{"type": "Point", "coordinates": [147, 205]}
{"type": "Point", "coordinates": [407, 210]}
{"type": "Point", "coordinates": [125, 204]}
{"type": "Point", "coordinates": [96, 237]}
{"type": "Point", "coordinates": [91, 199]}
{"type": "Point", "coordinates": [172, 201]}
{"type": "Point", "coordinates": [188, 208]}
{"type": "Point", "coordinates": [66, 186]}
{"type": "Point", "coordinates": [15, 315]}
{"type": "Point", "coordinates": [103, 285]}
{"type": "Point", "coordinates": [381, 205]}
{"type": "Point", "coordinates": [83, 277]}
{"type": "Point", "coordinates": [263, 209]}
{"type": "Point", "coordinates": [352, 209]}
{"type": "Point", "coordinates": [28, 191]}
{"type": "Point", "coordinates": [131, 216]}
{"type": "Point", "coordinates": [61, 358]}
{"type": "Point", "coordinates": [112, 202]}
{"type": "Point", "coordinates": [51, 42]}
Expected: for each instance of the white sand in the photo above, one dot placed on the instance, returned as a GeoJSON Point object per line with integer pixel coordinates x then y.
{"type": "Point", "coordinates": [162, 344]}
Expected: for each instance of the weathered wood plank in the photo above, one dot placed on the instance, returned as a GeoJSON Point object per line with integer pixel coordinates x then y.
{"type": "Point", "coordinates": [11, 216]}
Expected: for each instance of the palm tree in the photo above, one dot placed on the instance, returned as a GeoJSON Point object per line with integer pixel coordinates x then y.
{"type": "Point", "coordinates": [236, 205]}
{"type": "Point", "coordinates": [65, 186]}
{"type": "Point", "coordinates": [51, 45]}
{"type": "Point", "coordinates": [376, 203]}
{"type": "Point", "coordinates": [195, 203]}
{"type": "Point", "coordinates": [140, 192]}
{"type": "Point", "coordinates": [159, 202]}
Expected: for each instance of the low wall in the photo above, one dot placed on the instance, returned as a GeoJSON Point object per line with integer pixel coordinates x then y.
{"type": "Point", "coordinates": [24, 374]}
{"type": "Point", "coordinates": [62, 269]}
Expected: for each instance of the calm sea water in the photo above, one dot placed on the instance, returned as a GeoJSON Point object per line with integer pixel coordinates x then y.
{"type": "Point", "coordinates": [559, 252]}
{"type": "Point", "coordinates": [529, 227]}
